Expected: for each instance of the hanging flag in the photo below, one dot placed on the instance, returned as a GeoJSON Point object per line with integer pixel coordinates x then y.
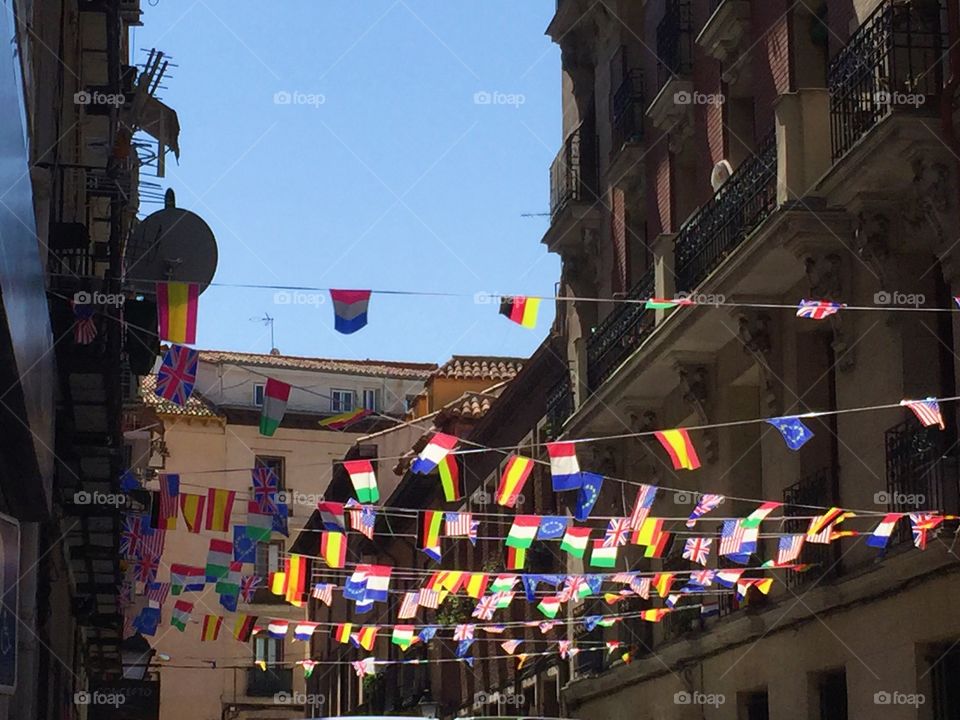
{"type": "Point", "coordinates": [427, 634]}
{"type": "Point", "coordinates": [464, 632]}
{"type": "Point", "coordinates": [191, 507]}
{"type": "Point", "coordinates": [523, 531]}
{"type": "Point", "coordinates": [754, 519]}
{"type": "Point", "coordinates": [366, 637]}
{"type": "Point", "coordinates": [457, 524]}
{"type": "Point", "coordinates": [818, 309]}
{"type": "Point", "coordinates": [84, 326]}
{"type": "Point", "coordinates": [662, 582]}
{"type": "Point", "coordinates": [343, 632]}
{"type": "Point", "coordinates": [210, 629]}
{"type": "Point", "coordinates": [705, 503]}
{"type": "Point", "coordinates": [521, 310]}
{"type": "Point", "coordinates": [428, 532]}
{"type": "Point", "coordinates": [156, 593]}
{"type": "Point", "coordinates": [450, 478]}
{"type": "Point", "coordinates": [795, 433]}
{"type": "Point", "coordinates": [219, 508]}
{"type": "Point", "coordinates": [243, 627]}
{"type": "Point", "coordinates": [617, 533]}
{"type": "Point", "coordinates": [881, 535]}
{"type": "Point", "coordinates": [168, 507]}
{"type": "Point", "coordinates": [552, 527]}
{"type": "Point", "coordinates": [820, 527]}
{"type": "Point", "coordinates": [303, 631]}
{"type": "Point", "coordinates": [364, 667]}
{"type": "Point", "coordinates": [428, 598]}
{"type": "Point", "coordinates": [324, 593]}
{"type": "Point", "coordinates": [275, 397]}
{"type": "Point", "coordinates": [177, 311]}
{"type": "Point", "coordinates": [439, 446]}
{"type": "Point", "coordinates": [331, 515]}
{"type": "Point", "coordinates": [575, 541]}
{"type": "Point", "coordinates": [219, 556]}
{"type": "Point", "coordinates": [296, 569]}
{"type": "Point", "coordinates": [277, 629]}
{"type": "Point", "coordinates": [409, 605]}
{"type": "Point", "coordinates": [244, 547]}
{"type": "Point", "coordinates": [378, 582]}
{"type": "Point", "coordinates": [603, 555]}
{"type": "Point", "coordinates": [230, 584]}
{"type": "Point", "coordinates": [249, 584]}
{"type": "Point", "coordinates": [788, 548]}
{"type": "Point", "coordinates": [737, 541]}
{"type": "Point", "coordinates": [280, 518]}
{"type": "Point", "coordinates": [344, 420]}
{"type": "Point", "coordinates": [363, 518]}
{"type": "Point", "coordinates": [922, 525]}
{"type": "Point", "coordinates": [588, 495]}
{"type": "Point", "coordinates": [350, 309]}
{"type": "Point", "coordinates": [512, 480]}
{"type": "Point", "coordinates": [308, 667]}
{"type": "Point", "coordinates": [181, 614]}
{"type": "Point", "coordinates": [655, 615]}
{"type": "Point", "coordinates": [333, 549]}
{"type": "Point", "coordinates": [510, 646]}
{"type": "Point", "coordinates": [503, 583]}
{"type": "Point", "coordinates": [516, 558]}
{"type": "Point", "coordinates": [147, 621]}
{"type": "Point", "coordinates": [564, 466]}
{"type": "Point", "coordinates": [266, 484]}
{"type": "Point", "coordinates": [641, 506]}
{"type": "Point", "coordinates": [364, 480]}
{"type": "Point", "coordinates": [666, 303]}
{"type": "Point", "coordinates": [177, 374]}
{"type": "Point", "coordinates": [476, 585]}
{"type": "Point", "coordinates": [927, 411]}
{"type": "Point", "coordinates": [402, 636]}
{"type": "Point", "coordinates": [145, 569]}
{"type": "Point", "coordinates": [186, 578]}
{"type": "Point", "coordinates": [679, 447]}
{"type": "Point", "coordinates": [131, 535]}
{"type": "Point", "coordinates": [697, 550]}
{"type": "Point", "coordinates": [259, 523]}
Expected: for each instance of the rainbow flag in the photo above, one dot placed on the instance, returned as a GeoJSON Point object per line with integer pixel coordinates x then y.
{"type": "Point", "coordinates": [349, 309]}
{"type": "Point", "coordinates": [191, 507]}
{"type": "Point", "coordinates": [680, 449]}
{"type": "Point", "coordinates": [211, 627]}
{"type": "Point", "coordinates": [450, 478]}
{"type": "Point", "coordinates": [275, 396]}
{"type": "Point", "coordinates": [521, 310]}
{"type": "Point", "coordinates": [512, 481]}
{"type": "Point", "coordinates": [345, 420]}
{"type": "Point", "coordinates": [219, 508]}
{"type": "Point", "coordinates": [177, 311]}
{"type": "Point", "coordinates": [333, 548]}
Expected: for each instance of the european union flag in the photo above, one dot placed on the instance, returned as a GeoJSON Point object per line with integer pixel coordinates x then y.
{"type": "Point", "coordinates": [426, 635]}
{"type": "Point", "coordinates": [530, 586]}
{"type": "Point", "coordinates": [552, 527]}
{"type": "Point", "coordinates": [147, 621]}
{"type": "Point", "coordinates": [587, 497]}
{"type": "Point", "coordinates": [463, 647]}
{"type": "Point", "coordinates": [229, 602]}
{"type": "Point", "coordinates": [244, 547]}
{"type": "Point", "coordinates": [280, 520]}
{"type": "Point", "coordinates": [795, 433]}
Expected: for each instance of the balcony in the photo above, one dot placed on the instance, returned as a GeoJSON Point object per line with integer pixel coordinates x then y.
{"type": "Point", "coordinates": [892, 64]}
{"type": "Point", "coordinates": [675, 43]}
{"type": "Point", "coordinates": [718, 227]}
{"type": "Point", "coordinates": [921, 474]}
{"type": "Point", "coordinates": [626, 121]}
{"type": "Point", "coordinates": [817, 489]}
{"type": "Point", "coordinates": [267, 683]}
{"type": "Point", "coordinates": [574, 187]}
{"type": "Point", "coordinates": [620, 333]}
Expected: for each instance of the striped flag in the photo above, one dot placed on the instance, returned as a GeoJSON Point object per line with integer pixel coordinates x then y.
{"type": "Point", "coordinates": [408, 607]}
{"type": "Point", "coordinates": [177, 311]}
{"type": "Point", "coordinates": [680, 448]}
{"type": "Point", "coordinates": [324, 593]}
{"type": "Point", "coordinates": [641, 507]}
{"type": "Point", "coordinates": [788, 548]}
{"type": "Point", "coordinates": [168, 510]}
{"type": "Point", "coordinates": [439, 446]}
{"type": "Point", "coordinates": [181, 614]}
{"type": "Point", "coordinates": [219, 557]}
{"type": "Point", "coordinates": [428, 532]}
{"type": "Point", "coordinates": [344, 420]}
{"type": "Point", "coordinates": [364, 480]}
{"type": "Point", "coordinates": [927, 411]}
{"type": "Point", "coordinates": [521, 310]}
{"type": "Point", "coordinates": [333, 549]}
{"type": "Point", "coordinates": [275, 397]}
{"type": "Point", "coordinates": [84, 326]}
{"type": "Point", "coordinates": [210, 630]}
{"type": "Point", "coordinates": [219, 509]}
{"type": "Point", "coordinates": [191, 507]}
{"type": "Point", "coordinates": [428, 598]}
{"type": "Point", "coordinates": [363, 518]}
{"type": "Point", "coordinates": [881, 535]}
{"type": "Point", "coordinates": [514, 477]}
{"type": "Point", "coordinates": [457, 524]}
{"type": "Point", "coordinates": [350, 309]}
{"type": "Point", "coordinates": [705, 504]}
{"type": "Point", "coordinates": [157, 593]}
{"type": "Point", "coordinates": [450, 478]}
{"type": "Point", "coordinates": [564, 466]}
{"type": "Point", "coordinates": [243, 627]}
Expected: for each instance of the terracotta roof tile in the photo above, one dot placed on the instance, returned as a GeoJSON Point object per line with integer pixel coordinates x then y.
{"type": "Point", "coordinates": [420, 371]}
{"type": "Point", "coordinates": [473, 367]}
{"type": "Point", "coordinates": [196, 406]}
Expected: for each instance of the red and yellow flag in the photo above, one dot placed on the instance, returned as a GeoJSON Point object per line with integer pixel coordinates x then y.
{"type": "Point", "coordinates": [342, 633]}
{"type": "Point", "coordinates": [219, 508]}
{"type": "Point", "coordinates": [191, 507]}
{"type": "Point", "coordinates": [333, 548]}
{"type": "Point", "coordinates": [295, 569]}
{"type": "Point", "coordinates": [367, 636]}
{"type": "Point", "coordinates": [177, 311]}
{"type": "Point", "coordinates": [679, 448]}
{"type": "Point", "coordinates": [511, 482]}
{"type": "Point", "coordinates": [211, 627]}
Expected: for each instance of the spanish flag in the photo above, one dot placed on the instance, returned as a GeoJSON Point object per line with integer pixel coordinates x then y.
{"type": "Point", "coordinates": [450, 478]}
{"type": "Point", "coordinates": [477, 585]}
{"type": "Point", "coordinates": [177, 311]}
{"type": "Point", "coordinates": [211, 627]}
{"type": "Point", "coordinates": [679, 448]}
{"type": "Point", "coordinates": [333, 548]}
{"type": "Point", "coordinates": [521, 310]}
{"type": "Point", "coordinates": [367, 636]}
{"type": "Point", "coordinates": [243, 627]}
{"type": "Point", "coordinates": [511, 482]}
{"type": "Point", "coordinates": [278, 583]}
{"type": "Point", "coordinates": [655, 615]}
{"type": "Point", "coordinates": [219, 508]}
{"type": "Point", "coordinates": [296, 569]}
{"type": "Point", "coordinates": [191, 507]}
{"type": "Point", "coordinates": [342, 633]}
{"type": "Point", "coordinates": [663, 582]}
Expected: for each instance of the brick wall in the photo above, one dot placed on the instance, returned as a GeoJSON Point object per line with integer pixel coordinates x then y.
{"type": "Point", "coordinates": [618, 236]}
{"type": "Point", "coordinates": [770, 59]}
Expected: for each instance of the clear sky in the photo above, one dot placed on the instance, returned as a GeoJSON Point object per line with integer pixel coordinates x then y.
{"type": "Point", "coordinates": [383, 170]}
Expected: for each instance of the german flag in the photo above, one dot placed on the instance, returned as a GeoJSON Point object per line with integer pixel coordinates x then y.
{"type": "Point", "coordinates": [521, 310]}
{"type": "Point", "coordinates": [243, 627]}
{"type": "Point", "coordinates": [450, 478]}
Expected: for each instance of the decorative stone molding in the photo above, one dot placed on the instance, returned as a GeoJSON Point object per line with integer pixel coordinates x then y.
{"type": "Point", "coordinates": [826, 276]}
{"type": "Point", "coordinates": [722, 37]}
{"type": "Point", "coordinates": [931, 211]}
{"type": "Point", "coordinates": [872, 242]}
{"type": "Point", "coordinates": [754, 332]}
{"type": "Point", "coordinates": [670, 114]}
{"type": "Point", "coordinates": [694, 391]}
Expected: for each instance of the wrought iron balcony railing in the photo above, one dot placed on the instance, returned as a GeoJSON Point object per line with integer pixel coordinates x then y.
{"type": "Point", "coordinates": [920, 473]}
{"type": "Point", "coordinates": [674, 42]}
{"type": "Point", "coordinates": [893, 62]}
{"type": "Point", "coordinates": [744, 201]}
{"type": "Point", "coordinates": [817, 489]}
{"type": "Point", "coordinates": [559, 405]}
{"type": "Point", "coordinates": [627, 111]}
{"type": "Point", "coordinates": [264, 683]}
{"type": "Point", "coordinates": [621, 332]}
{"type": "Point", "coordinates": [573, 173]}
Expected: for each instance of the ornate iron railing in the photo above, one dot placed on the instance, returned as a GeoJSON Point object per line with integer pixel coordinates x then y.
{"type": "Point", "coordinates": [893, 62]}
{"type": "Point", "coordinates": [627, 111]}
{"type": "Point", "coordinates": [920, 473]}
{"type": "Point", "coordinates": [744, 201]}
{"type": "Point", "coordinates": [817, 489]}
{"type": "Point", "coordinates": [621, 332]}
{"type": "Point", "coordinates": [559, 405]}
{"type": "Point", "coordinates": [674, 42]}
{"type": "Point", "coordinates": [573, 173]}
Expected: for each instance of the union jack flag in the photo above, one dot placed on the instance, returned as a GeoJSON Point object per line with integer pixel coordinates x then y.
{"type": "Point", "coordinates": [927, 411]}
{"type": "Point", "coordinates": [249, 584]}
{"type": "Point", "coordinates": [363, 518]}
{"type": "Point", "coordinates": [458, 524]}
{"type": "Point", "coordinates": [265, 486]}
{"type": "Point", "coordinates": [703, 578]}
{"type": "Point", "coordinates": [429, 598]}
{"type": "Point", "coordinates": [486, 607]}
{"type": "Point", "coordinates": [817, 309]}
{"type": "Point", "coordinates": [788, 548]}
{"type": "Point", "coordinates": [618, 532]}
{"type": "Point", "coordinates": [697, 550]}
{"type": "Point", "coordinates": [705, 504]}
{"type": "Point", "coordinates": [178, 374]}
{"type": "Point", "coordinates": [923, 524]}
{"type": "Point", "coordinates": [571, 586]}
{"type": "Point", "coordinates": [145, 569]}
{"type": "Point", "coordinates": [464, 632]}
{"type": "Point", "coordinates": [84, 326]}
{"type": "Point", "coordinates": [131, 535]}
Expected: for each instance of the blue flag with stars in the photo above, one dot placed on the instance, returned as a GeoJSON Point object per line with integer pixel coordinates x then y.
{"type": "Point", "coordinates": [244, 547]}
{"type": "Point", "coordinates": [795, 433]}
{"type": "Point", "coordinates": [587, 497]}
{"type": "Point", "coordinates": [552, 527]}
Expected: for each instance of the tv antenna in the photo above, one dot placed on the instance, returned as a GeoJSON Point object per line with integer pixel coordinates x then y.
{"type": "Point", "coordinates": [267, 320]}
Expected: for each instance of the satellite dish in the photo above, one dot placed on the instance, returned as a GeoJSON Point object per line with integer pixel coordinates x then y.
{"type": "Point", "coordinates": [170, 244]}
{"type": "Point", "coordinates": [721, 173]}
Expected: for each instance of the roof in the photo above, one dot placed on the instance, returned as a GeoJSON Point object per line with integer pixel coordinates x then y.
{"type": "Point", "coordinates": [376, 368]}
{"type": "Point", "coordinates": [196, 406]}
{"type": "Point", "coordinates": [474, 404]}
{"type": "Point", "coordinates": [480, 367]}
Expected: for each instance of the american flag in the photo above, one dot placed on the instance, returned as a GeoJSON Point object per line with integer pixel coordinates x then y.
{"type": "Point", "coordinates": [823, 537]}
{"type": "Point", "coordinates": [705, 504]}
{"type": "Point", "coordinates": [178, 374]}
{"type": "Point", "coordinates": [495, 629]}
{"type": "Point", "coordinates": [618, 532]}
{"type": "Point", "coordinates": [125, 594]}
{"type": "Point", "coordinates": [458, 524]}
{"type": "Point", "coordinates": [131, 535]}
{"type": "Point", "coordinates": [641, 508]}
{"type": "Point", "coordinates": [265, 486]}
{"type": "Point", "coordinates": [788, 548]}
{"type": "Point", "coordinates": [157, 592]}
{"type": "Point", "coordinates": [84, 326]}
{"type": "Point", "coordinates": [486, 607]}
{"type": "Point", "coordinates": [324, 593]}
{"type": "Point", "coordinates": [697, 550]}
{"type": "Point", "coordinates": [363, 519]}
{"type": "Point", "coordinates": [248, 586]}
{"type": "Point", "coordinates": [927, 411]}
{"type": "Point", "coordinates": [731, 537]}
{"type": "Point", "coordinates": [429, 598]}
{"type": "Point", "coordinates": [169, 498]}
{"type": "Point", "coordinates": [464, 632]}
{"type": "Point", "coordinates": [408, 608]}
{"type": "Point", "coordinates": [641, 586]}
{"type": "Point", "coordinates": [151, 543]}
{"type": "Point", "coordinates": [817, 309]}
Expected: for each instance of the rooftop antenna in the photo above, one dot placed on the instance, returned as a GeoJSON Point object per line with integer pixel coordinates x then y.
{"type": "Point", "coordinates": [535, 214]}
{"type": "Point", "coordinates": [267, 320]}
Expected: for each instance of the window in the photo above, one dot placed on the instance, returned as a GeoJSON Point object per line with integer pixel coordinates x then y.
{"type": "Point", "coordinates": [258, 394]}
{"type": "Point", "coordinates": [274, 463]}
{"type": "Point", "coordinates": [410, 402]}
{"type": "Point", "coordinates": [341, 400]}
{"type": "Point", "coordinates": [371, 399]}
{"type": "Point", "coordinates": [268, 649]}
{"type": "Point", "coordinates": [268, 558]}
{"type": "Point", "coordinates": [944, 672]}
{"type": "Point", "coordinates": [832, 688]}
{"type": "Point", "coordinates": [754, 706]}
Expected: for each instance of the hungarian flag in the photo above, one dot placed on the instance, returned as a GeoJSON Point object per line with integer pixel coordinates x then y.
{"type": "Point", "coordinates": [275, 396]}
{"type": "Point", "coordinates": [665, 303]}
{"type": "Point", "coordinates": [521, 310]}
{"type": "Point", "coordinates": [181, 614]}
{"type": "Point", "coordinates": [177, 311]}
{"type": "Point", "coordinates": [575, 541]}
{"type": "Point", "coordinates": [523, 531]}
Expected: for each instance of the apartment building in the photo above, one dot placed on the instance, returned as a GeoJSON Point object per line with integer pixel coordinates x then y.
{"type": "Point", "coordinates": [765, 151]}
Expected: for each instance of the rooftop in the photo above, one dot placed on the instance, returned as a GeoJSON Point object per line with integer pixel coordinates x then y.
{"type": "Point", "coordinates": [480, 367]}
{"type": "Point", "coordinates": [196, 405]}
{"type": "Point", "coordinates": [377, 368]}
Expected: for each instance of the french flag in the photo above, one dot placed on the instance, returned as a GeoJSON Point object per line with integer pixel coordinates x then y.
{"type": "Point", "coordinates": [349, 309]}
{"type": "Point", "coordinates": [881, 536]}
{"type": "Point", "coordinates": [436, 450]}
{"type": "Point", "coordinates": [564, 467]}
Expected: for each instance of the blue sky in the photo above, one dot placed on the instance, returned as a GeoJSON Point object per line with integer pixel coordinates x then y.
{"type": "Point", "coordinates": [383, 170]}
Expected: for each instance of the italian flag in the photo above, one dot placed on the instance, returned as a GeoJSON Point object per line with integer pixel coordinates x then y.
{"type": "Point", "coordinates": [549, 606]}
{"type": "Point", "coordinates": [601, 556]}
{"type": "Point", "coordinates": [364, 480]}
{"type": "Point", "coordinates": [402, 636]}
{"type": "Point", "coordinates": [575, 541]}
{"type": "Point", "coordinates": [523, 531]}
{"type": "Point", "coordinates": [219, 557]}
{"type": "Point", "coordinates": [275, 396]}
